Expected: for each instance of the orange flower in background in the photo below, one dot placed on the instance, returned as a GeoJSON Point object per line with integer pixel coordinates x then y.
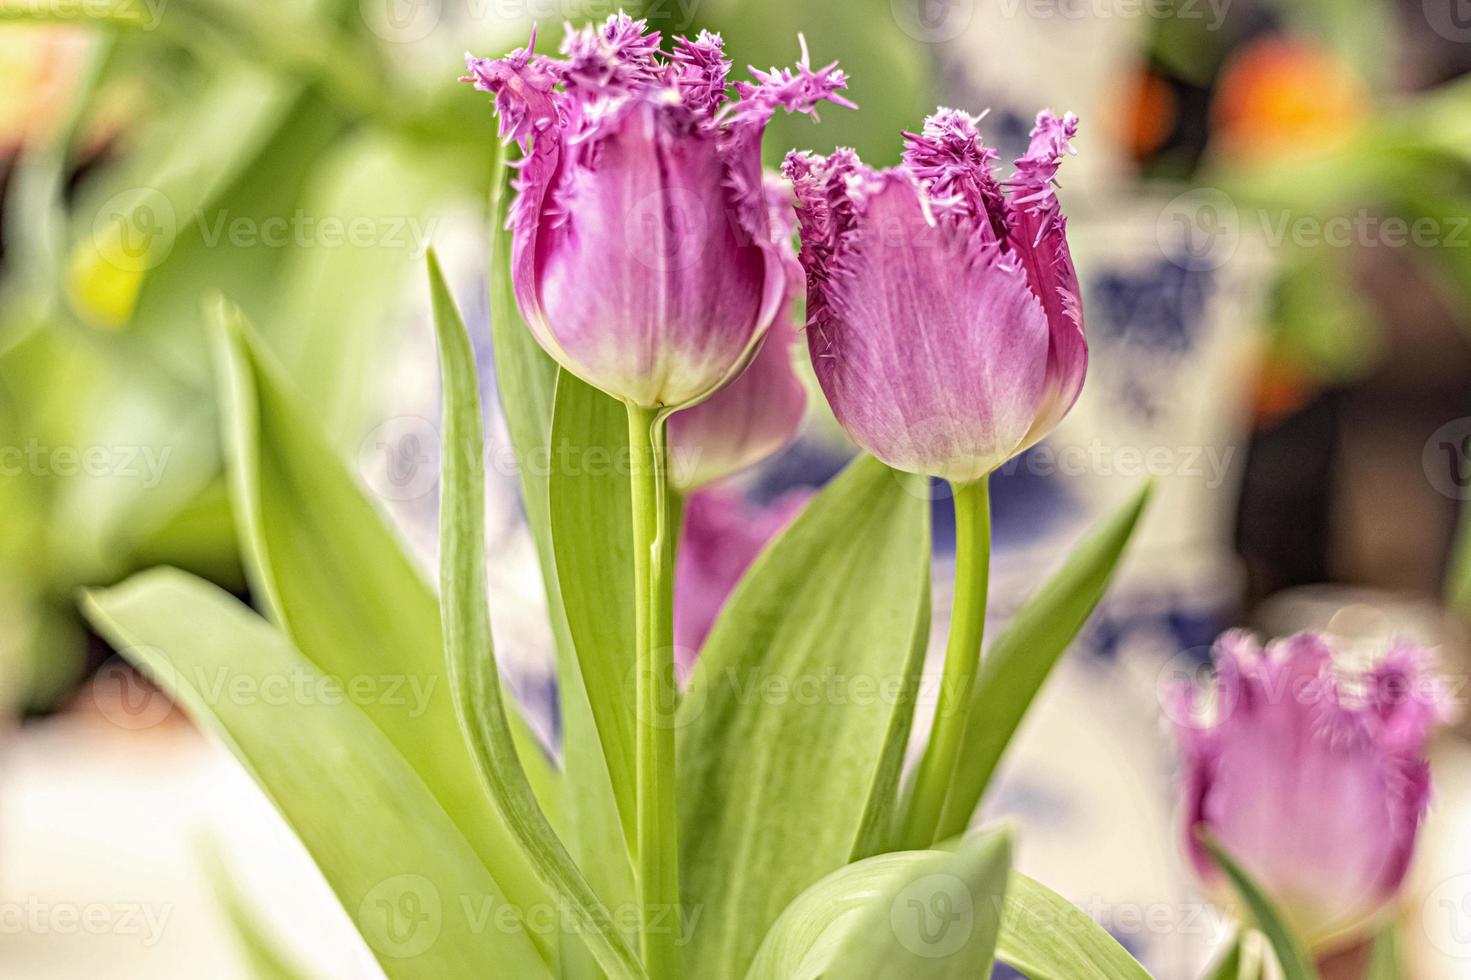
{"type": "Point", "coordinates": [1147, 115]}
{"type": "Point", "coordinates": [1284, 96]}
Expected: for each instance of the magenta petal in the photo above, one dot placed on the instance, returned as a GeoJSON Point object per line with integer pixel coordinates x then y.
{"type": "Point", "coordinates": [1039, 239]}
{"type": "Point", "coordinates": [650, 285]}
{"type": "Point", "coordinates": [748, 420]}
{"type": "Point", "coordinates": [723, 533]}
{"type": "Point", "coordinates": [1308, 781]}
{"type": "Point", "coordinates": [930, 351]}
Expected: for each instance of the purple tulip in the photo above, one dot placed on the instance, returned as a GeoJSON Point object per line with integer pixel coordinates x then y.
{"type": "Point", "coordinates": [1313, 776]}
{"type": "Point", "coordinates": [642, 251]}
{"type": "Point", "coordinates": [943, 315]}
{"type": "Point", "coordinates": [723, 534]}
{"type": "Point", "coordinates": [759, 412]}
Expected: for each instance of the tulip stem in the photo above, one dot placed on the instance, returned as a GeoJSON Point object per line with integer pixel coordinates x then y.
{"type": "Point", "coordinates": [962, 657]}
{"type": "Point", "coordinates": [656, 696]}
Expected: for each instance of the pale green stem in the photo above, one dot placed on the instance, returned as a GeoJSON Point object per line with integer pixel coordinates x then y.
{"type": "Point", "coordinates": [962, 657]}
{"type": "Point", "coordinates": [656, 697]}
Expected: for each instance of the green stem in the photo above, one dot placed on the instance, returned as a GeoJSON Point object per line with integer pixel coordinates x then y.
{"type": "Point", "coordinates": [962, 657]}
{"type": "Point", "coordinates": [656, 697]}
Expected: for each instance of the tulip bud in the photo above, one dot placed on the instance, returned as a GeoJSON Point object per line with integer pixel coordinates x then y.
{"type": "Point", "coordinates": [943, 316]}
{"type": "Point", "coordinates": [642, 252]}
{"type": "Point", "coordinates": [759, 412]}
{"type": "Point", "coordinates": [1312, 776]}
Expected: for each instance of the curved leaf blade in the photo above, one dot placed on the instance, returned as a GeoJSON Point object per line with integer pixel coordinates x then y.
{"type": "Point", "coordinates": [591, 514]}
{"type": "Point", "coordinates": [1021, 659]}
{"type": "Point", "coordinates": [401, 867]}
{"type": "Point", "coordinates": [781, 753]}
{"type": "Point", "coordinates": [1046, 937]}
{"type": "Point", "coordinates": [470, 648]}
{"type": "Point", "coordinates": [922, 914]}
{"type": "Point", "coordinates": [335, 577]}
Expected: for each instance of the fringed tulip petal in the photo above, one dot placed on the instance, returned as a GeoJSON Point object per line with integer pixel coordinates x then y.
{"type": "Point", "coordinates": [1312, 776]}
{"type": "Point", "coordinates": [642, 251]}
{"type": "Point", "coordinates": [943, 344]}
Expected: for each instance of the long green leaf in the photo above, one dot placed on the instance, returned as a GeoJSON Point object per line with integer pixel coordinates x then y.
{"type": "Point", "coordinates": [1046, 937]}
{"type": "Point", "coordinates": [526, 381]}
{"type": "Point", "coordinates": [1021, 659]}
{"type": "Point", "coordinates": [1291, 955]}
{"type": "Point", "coordinates": [592, 537]}
{"type": "Point", "coordinates": [784, 727]}
{"type": "Point", "coordinates": [337, 579]}
{"type": "Point", "coordinates": [470, 649]}
{"type": "Point", "coordinates": [400, 866]}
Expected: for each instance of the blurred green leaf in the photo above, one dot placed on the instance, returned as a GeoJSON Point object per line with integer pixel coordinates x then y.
{"type": "Point", "coordinates": [785, 724]}
{"type": "Point", "coordinates": [891, 74]}
{"type": "Point", "coordinates": [402, 869]}
{"type": "Point", "coordinates": [266, 957]}
{"type": "Point", "coordinates": [1046, 937]}
{"type": "Point", "coordinates": [1021, 659]}
{"type": "Point", "coordinates": [592, 537]}
{"type": "Point", "coordinates": [471, 649]}
{"type": "Point", "coordinates": [1292, 957]}
{"type": "Point", "coordinates": [332, 573]}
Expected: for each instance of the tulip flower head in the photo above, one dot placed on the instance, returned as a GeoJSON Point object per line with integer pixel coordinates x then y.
{"type": "Point", "coordinates": [1313, 777]}
{"type": "Point", "coordinates": [643, 255]}
{"type": "Point", "coordinates": [943, 313]}
{"type": "Point", "coordinates": [759, 412]}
